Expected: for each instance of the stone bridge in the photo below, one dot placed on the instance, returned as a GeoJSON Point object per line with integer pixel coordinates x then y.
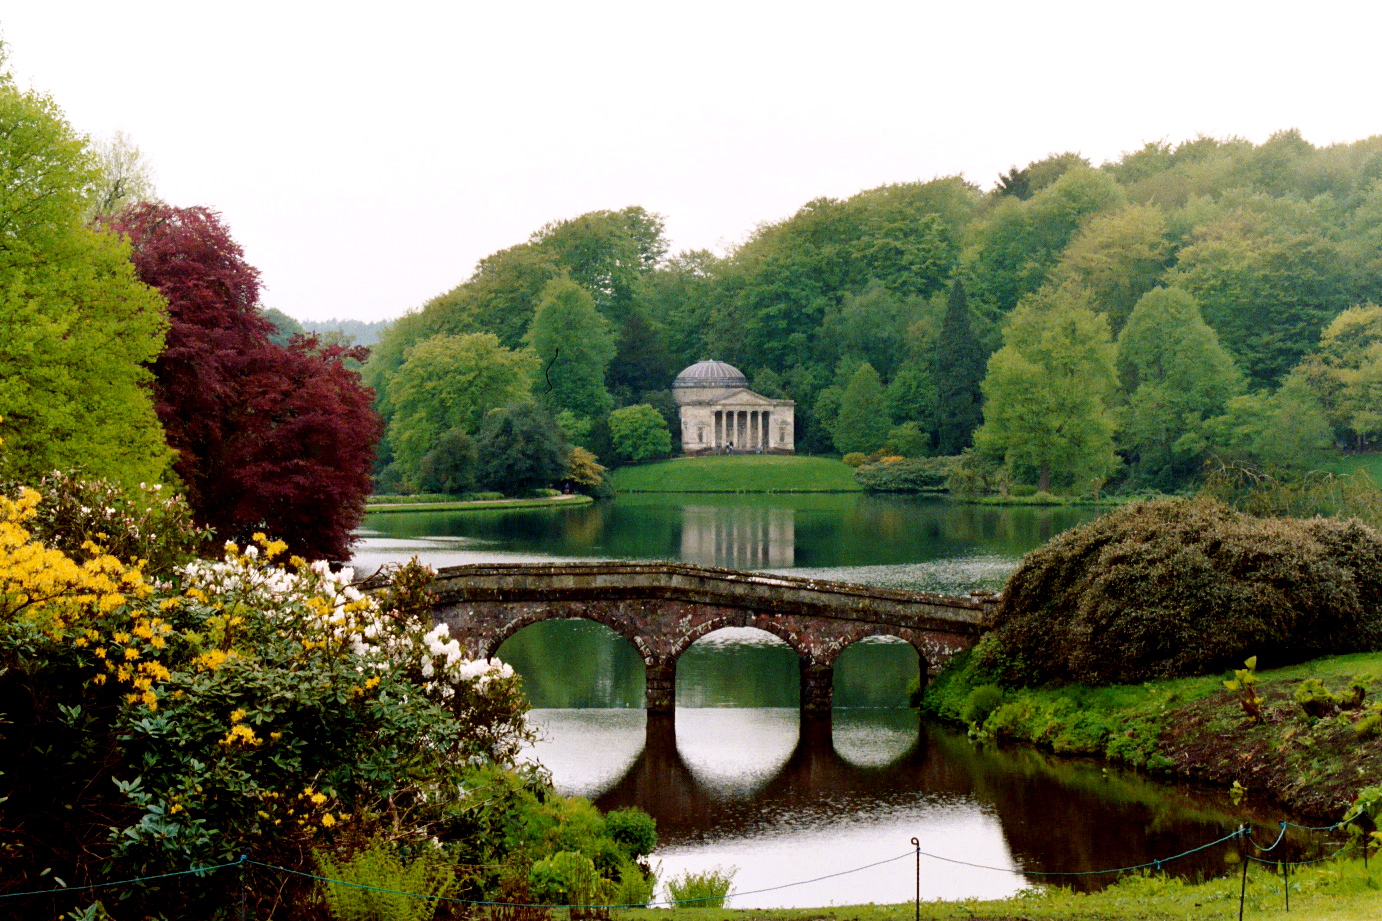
{"type": "Point", "coordinates": [662, 608]}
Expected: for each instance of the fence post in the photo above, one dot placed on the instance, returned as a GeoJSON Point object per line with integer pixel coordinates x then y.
{"type": "Point", "coordinates": [244, 887]}
{"type": "Point", "coordinates": [917, 845]}
{"type": "Point", "coordinates": [1243, 891]}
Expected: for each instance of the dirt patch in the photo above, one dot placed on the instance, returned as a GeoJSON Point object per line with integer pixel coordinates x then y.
{"type": "Point", "coordinates": [1312, 766]}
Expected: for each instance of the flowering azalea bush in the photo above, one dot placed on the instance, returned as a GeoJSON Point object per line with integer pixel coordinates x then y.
{"type": "Point", "coordinates": [246, 705]}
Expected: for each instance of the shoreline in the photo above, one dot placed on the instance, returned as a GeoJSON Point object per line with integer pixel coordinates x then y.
{"type": "Point", "coordinates": [478, 505]}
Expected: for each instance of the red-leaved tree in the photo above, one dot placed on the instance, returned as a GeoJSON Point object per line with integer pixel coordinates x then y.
{"type": "Point", "coordinates": [269, 438]}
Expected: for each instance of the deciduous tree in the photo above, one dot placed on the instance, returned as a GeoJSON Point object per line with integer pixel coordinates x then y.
{"type": "Point", "coordinates": [1048, 390]}
{"type": "Point", "coordinates": [575, 345]}
{"type": "Point", "coordinates": [520, 447]}
{"type": "Point", "coordinates": [639, 433]}
{"type": "Point", "coordinates": [863, 422]}
{"type": "Point", "coordinates": [268, 437]}
{"type": "Point", "coordinates": [77, 327]}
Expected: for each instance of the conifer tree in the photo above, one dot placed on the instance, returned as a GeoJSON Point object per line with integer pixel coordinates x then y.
{"type": "Point", "coordinates": [959, 372]}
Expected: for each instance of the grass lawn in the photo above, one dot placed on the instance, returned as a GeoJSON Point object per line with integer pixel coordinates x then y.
{"type": "Point", "coordinates": [1341, 890]}
{"type": "Point", "coordinates": [738, 473]}
{"type": "Point", "coordinates": [477, 505]}
{"type": "Point", "coordinates": [1370, 463]}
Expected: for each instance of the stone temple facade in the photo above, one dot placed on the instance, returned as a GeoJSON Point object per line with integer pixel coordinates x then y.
{"type": "Point", "coordinates": [720, 415]}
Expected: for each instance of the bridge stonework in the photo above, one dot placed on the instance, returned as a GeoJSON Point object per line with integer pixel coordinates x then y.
{"type": "Point", "coordinates": [662, 608]}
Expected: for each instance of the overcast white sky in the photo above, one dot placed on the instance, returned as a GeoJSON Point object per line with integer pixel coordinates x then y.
{"type": "Point", "coordinates": [367, 155]}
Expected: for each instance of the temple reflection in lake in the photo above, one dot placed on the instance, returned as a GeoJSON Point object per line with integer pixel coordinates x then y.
{"type": "Point", "coordinates": [738, 537]}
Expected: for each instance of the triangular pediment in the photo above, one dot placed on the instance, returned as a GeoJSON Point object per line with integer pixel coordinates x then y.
{"type": "Point", "coordinates": [747, 398]}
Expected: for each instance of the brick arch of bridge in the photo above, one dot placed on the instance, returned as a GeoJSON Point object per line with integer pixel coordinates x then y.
{"type": "Point", "coordinates": [624, 627]}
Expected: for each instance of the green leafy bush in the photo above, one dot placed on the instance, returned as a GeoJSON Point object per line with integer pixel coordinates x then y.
{"type": "Point", "coordinates": [854, 458]}
{"type": "Point", "coordinates": [704, 889]}
{"type": "Point", "coordinates": [979, 703]}
{"type": "Point", "coordinates": [1176, 587]}
{"type": "Point", "coordinates": [568, 878]}
{"type": "Point", "coordinates": [377, 882]}
{"type": "Point", "coordinates": [916, 474]}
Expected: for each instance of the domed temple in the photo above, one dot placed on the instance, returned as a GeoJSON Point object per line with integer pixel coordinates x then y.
{"type": "Point", "coordinates": [720, 414]}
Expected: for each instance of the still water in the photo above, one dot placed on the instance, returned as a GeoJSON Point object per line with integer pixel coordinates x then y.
{"type": "Point", "coordinates": [734, 780]}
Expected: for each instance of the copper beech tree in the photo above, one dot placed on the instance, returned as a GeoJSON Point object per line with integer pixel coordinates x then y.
{"type": "Point", "coordinates": [269, 437]}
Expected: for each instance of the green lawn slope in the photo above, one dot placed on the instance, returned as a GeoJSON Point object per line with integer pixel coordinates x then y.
{"type": "Point", "coordinates": [738, 473]}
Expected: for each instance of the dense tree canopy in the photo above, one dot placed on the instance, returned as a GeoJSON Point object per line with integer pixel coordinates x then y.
{"type": "Point", "coordinates": [268, 437]}
{"type": "Point", "coordinates": [77, 326]}
{"type": "Point", "coordinates": [1048, 392]}
{"type": "Point", "coordinates": [1273, 241]}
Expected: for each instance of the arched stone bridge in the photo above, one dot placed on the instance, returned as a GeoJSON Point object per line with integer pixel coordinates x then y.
{"type": "Point", "coordinates": [662, 608]}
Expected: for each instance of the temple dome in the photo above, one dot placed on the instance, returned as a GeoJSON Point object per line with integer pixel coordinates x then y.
{"type": "Point", "coordinates": [707, 380]}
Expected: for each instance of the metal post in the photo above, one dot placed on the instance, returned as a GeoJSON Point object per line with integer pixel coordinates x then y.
{"type": "Point", "coordinates": [917, 845]}
{"type": "Point", "coordinates": [244, 887]}
{"type": "Point", "coordinates": [1286, 873]}
{"type": "Point", "coordinates": [1243, 892]}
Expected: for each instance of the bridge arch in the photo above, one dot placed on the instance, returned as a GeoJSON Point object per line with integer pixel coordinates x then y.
{"type": "Point", "coordinates": [739, 619]}
{"type": "Point", "coordinates": [622, 627]}
{"type": "Point", "coordinates": [662, 608]}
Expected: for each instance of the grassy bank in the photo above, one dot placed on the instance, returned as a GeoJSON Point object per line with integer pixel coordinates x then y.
{"type": "Point", "coordinates": [1339, 890]}
{"type": "Point", "coordinates": [738, 473]}
{"type": "Point", "coordinates": [443, 504]}
{"type": "Point", "coordinates": [1194, 728]}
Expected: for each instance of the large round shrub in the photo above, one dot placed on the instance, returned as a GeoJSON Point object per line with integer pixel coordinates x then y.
{"type": "Point", "coordinates": [1176, 587]}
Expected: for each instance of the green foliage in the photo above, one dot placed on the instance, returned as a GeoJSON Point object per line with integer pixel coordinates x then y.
{"type": "Point", "coordinates": [1345, 372]}
{"type": "Point", "coordinates": [1177, 377]}
{"type": "Point", "coordinates": [575, 344]}
{"type": "Point", "coordinates": [1048, 391]}
{"type": "Point", "coordinates": [979, 703]}
{"type": "Point", "coordinates": [1180, 587]}
{"type": "Point", "coordinates": [1316, 699]}
{"type": "Point", "coordinates": [229, 706]}
{"type": "Point", "coordinates": [78, 330]}
{"type": "Point", "coordinates": [633, 829]}
{"type": "Point", "coordinates": [449, 467]}
{"type": "Point", "coordinates": [381, 880]}
{"type": "Point", "coordinates": [862, 423]}
{"type": "Point", "coordinates": [639, 433]}
{"type": "Point", "coordinates": [909, 440]}
{"type": "Point", "coordinates": [450, 383]}
{"type": "Point", "coordinates": [915, 474]}
{"type": "Point", "coordinates": [854, 459]}
{"type": "Point", "coordinates": [702, 889]}
{"type": "Point", "coordinates": [148, 525]}
{"type": "Point", "coordinates": [567, 878]}
{"type": "Point", "coordinates": [1244, 685]}
{"type": "Point", "coordinates": [958, 374]}
{"type": "Point", "coordinates": [738, 473]}
{"type": "Point", "coordinates": [520, 448]}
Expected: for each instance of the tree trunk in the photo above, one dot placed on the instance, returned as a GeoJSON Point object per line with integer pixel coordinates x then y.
{"type": "Point", "coordinates": [1044, 477]}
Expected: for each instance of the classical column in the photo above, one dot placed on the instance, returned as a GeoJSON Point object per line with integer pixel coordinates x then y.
{"type": "Point", "coordinates": [719, 423]}
{"type": "Point", "coordinates": [767, 430]}
{"type": "Point", "coordinates": [753, 429]}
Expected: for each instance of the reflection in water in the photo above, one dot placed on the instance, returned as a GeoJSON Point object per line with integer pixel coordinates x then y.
{"type": "Point", "coordinates": [738, 667]}
{"type": "Point", "coordinates": [720, 762]}
{"type": "Point", "coordinates": [738, 537]}
{"type": "Point", "coordinates": [611, 741]}
{"type": "Point", "coordinates": [746, 788]}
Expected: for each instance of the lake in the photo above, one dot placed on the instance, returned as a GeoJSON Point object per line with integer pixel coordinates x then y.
{"type": "Point", "coordinates": [811, 818]}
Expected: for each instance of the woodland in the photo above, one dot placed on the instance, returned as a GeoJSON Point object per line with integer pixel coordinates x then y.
{"type": "Point", "coordinates": [1076, 327]}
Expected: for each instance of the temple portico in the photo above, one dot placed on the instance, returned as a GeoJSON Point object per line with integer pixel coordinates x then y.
{"type": "Point", "coordinates": [719, 413]}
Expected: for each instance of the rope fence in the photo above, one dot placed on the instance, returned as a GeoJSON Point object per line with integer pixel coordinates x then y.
{"type": "Point", "coordinates": [1242, 833]}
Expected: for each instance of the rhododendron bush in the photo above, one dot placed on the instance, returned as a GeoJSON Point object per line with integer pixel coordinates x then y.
{"type": "Point", "coordinates": [155, 721]}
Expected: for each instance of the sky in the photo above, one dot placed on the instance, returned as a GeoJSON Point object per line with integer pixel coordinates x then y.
{"type": "Point", "coordinates": [367, 155]}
